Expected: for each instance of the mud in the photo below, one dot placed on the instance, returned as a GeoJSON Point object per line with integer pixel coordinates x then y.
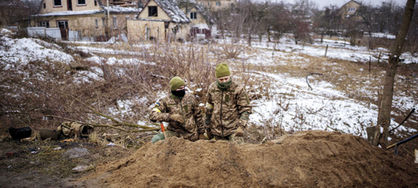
{"type": "Point", "coordinates": [305, 159]}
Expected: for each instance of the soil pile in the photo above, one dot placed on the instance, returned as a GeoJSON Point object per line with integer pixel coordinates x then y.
{"type": "Point", "coordinates": [313, 158]}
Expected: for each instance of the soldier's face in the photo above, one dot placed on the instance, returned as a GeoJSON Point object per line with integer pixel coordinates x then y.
{"type": "Point", "coordinates": [180, 88]}
{"type": "Point", "coordinates": [224, 79]}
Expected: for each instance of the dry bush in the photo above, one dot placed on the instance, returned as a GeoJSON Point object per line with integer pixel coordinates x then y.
{"type": "Point", "coordinates": [228, 51]}
{"type": "Point", "coordinates": [41, 91]}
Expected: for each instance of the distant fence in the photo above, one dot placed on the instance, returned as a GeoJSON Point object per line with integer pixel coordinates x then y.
{"type": "Point", "coordinates": [54, 33]}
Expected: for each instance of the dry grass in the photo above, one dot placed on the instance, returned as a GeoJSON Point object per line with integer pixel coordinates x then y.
{"type": "Point", "coordinates": [195, 63]}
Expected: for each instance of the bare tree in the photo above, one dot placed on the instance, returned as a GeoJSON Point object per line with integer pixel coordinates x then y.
{"type": "Point", "coordinates": [385, 107]}
{"type": "Point", "coordinates": [279, 18]}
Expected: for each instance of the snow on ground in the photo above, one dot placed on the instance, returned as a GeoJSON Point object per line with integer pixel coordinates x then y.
{"type": "Point", "coordinates": [15, 52]}
{"type": "Point", "coordinates": [290, 103]}
{"type": "Point", "coordinates": [293, 106]}
{"type": "Point", "coordinates": [383, 35]}
{"type": "Point", "coordinates": [337, 49]}
{"type": "Point", "coordinates": [123, 108]}
{"type": "Point", "coordinates": [87, 49]}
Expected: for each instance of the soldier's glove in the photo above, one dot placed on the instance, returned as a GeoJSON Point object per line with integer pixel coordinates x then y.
{"type": "Point", "coordinates": [239, 132]}
{"type": "Point", "coordinates": [243, 123]}
{"type": "Point", "coordinates": [208, 133]}
{"type": "Point", "coordinates": [203, 136]}
{"type": "Point", "coordinates": [177, 118]}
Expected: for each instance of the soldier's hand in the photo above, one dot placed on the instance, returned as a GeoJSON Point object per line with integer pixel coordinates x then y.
{"type": "Point", "coordinates": [177, 117]}
{"type": "Point", "coordinates": [243, 123]}
{"type": "Point", "coordinates": [203, 136]}
{"type": "Point", "coordinates": [239, 132]}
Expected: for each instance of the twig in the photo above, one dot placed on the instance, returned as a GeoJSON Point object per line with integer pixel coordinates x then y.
{"type": "Point", "coordinates": [104, 125]}
{"type": "Point", "coordinates": [117, 123]}
{"type": "Point", "coordinates": [412, 111]}
{"type": "Point", "coordinates": [312, 73]}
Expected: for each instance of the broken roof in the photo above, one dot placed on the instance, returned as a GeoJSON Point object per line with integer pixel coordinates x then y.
{"type": "Point", "coordinates": [171, 8]}
{"type": "Point", "coordinates": [202, 10]}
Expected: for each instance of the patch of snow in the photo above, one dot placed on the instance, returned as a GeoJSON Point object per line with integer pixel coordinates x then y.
{"type": "Point", "coordinates": [17, 52]}
{"type": "Point", "coordinates": [295, 107]}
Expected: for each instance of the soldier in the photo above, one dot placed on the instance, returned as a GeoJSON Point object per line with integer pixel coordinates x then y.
{"type": "Point", "coordinates": [181, 111]}
{"type": "Point", "coordinates": [227, 107]}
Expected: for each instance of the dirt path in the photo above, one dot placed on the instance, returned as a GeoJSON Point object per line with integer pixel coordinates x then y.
{"type": "Point", "coordinates": [306, 159]}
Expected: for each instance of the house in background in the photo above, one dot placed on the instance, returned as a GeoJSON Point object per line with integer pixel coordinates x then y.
{"type": "Point", "coordinates": [349, 9]}
{"type": "Point", "coordinates": [83, 19]}
{"type": "Point", "coordinates": [200, 20]}
{"type": "Point", "coordinates": [169, 20]}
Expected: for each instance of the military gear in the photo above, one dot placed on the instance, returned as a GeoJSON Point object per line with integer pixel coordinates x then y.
{"type": "Point", "coordinates": [160, 136]}
{"type": "Point", "coordinates": [225, 108]}
{"type": "Point", "coordinates": [190, 125]}
{"type": "Point", "coordinates": [203, 136]}
{"type": "Point", "coordinates": [73, 129]}
{"type": "Point", "coordinates": [49, 133]}
{"type": "Point", "coordinates": [224, 86]}
{"type": "Point", "coordinates": [20, 133]}
{"type": "Point", "coordinates": [222, 70]}
{"type": "Point", "coordinates": [235, 138]}
{"type": "Point", "coordinates": [239, 131]}
{"type": "Point", "coordinates": [175, 83]}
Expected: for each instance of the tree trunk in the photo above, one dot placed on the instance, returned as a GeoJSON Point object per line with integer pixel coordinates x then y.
{"type": "Point", "coordinates": [249, 37]}
{"type": "Point", "coordinates": [383, 119]}
{"type": "Point", "coordinates": [268, 34]}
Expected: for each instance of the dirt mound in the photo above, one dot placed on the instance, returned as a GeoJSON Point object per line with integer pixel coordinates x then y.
{"type": "Point", "coordinates": [313, 158]}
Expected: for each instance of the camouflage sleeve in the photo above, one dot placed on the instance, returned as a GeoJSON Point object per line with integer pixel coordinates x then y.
{"type": "Point", "coordinates": [198, 115]}
{"type": "Point", "coordinates": [244, 108]}
{"type": "Point", "coordinates": [209, 107]}
{"type": "Point", "coordinates": [159, 112]}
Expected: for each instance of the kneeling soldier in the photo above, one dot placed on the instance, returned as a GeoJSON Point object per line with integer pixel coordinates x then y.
{"type": "Point", "coordinates": [181, 111]}
{"type": "Point", "coordinates": [227, 107]}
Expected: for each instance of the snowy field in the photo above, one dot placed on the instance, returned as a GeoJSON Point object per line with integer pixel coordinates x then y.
{"type": "Point", "coordinates": [290, 103]}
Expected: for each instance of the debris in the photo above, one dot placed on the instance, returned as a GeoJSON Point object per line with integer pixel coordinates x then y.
{"type": "Point", "coordinates": [82, 168]}
{"type": "Point", "coordinates": [34, 150]}
{"type": "Point", "coordinates": [76, 153]}
{"type": "Point", "coordinates": [111, 144]}
{"type": "Point", "coordinates": [49, 133]}
{"type": "Point", "coordinates": [111, 137]}
{"type": "Point", "coordinates": [74, 130]}
{"type": "Point", "coordinates": [10, 154]}
{"type": "Point", "coordinates": [57, 148]}
{"type": "Point", "coordinates": [20, 133]}
{"type": "Point", "coordinates": [68, 140]}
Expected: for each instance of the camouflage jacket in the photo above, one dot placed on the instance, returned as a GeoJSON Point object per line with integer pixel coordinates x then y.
{"type": "Point", "coordinates": [226, 109]}
{"type": "Point", "coordinates": [188, 107]}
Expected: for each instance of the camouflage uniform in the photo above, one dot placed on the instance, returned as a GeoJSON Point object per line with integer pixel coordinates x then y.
{"type": "Point", "coordinates": [226, 110]}
{"type": "Point", "coordinates": [188, 108]}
